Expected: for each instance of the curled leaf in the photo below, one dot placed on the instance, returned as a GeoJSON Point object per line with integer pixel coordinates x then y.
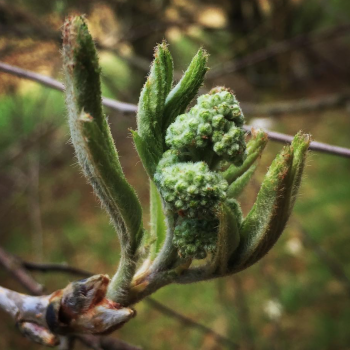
{"type": "Point", "coordinates": [151, 108]}
{"type": "Point", "coordinates": [94, 144]}
{"type": "Point", "coordinates": [269, 215]}
{"type": "Point", "coordinates": [255, 147]}
{"type": "Point", "coordinates": [186, 89]}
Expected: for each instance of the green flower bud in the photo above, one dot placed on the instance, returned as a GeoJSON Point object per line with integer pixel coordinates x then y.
{"type": "Point", "coordinates": [205, 129]}
{"type": "Point", "coordinates": [191, 188]}
{"type": "Point", "coordinates": [170, 157]}
{"type": "Point", "coordinates": [204, 115]}
{"type": "Point", "coordinates": [219, 122]}
{"type": "Point", "coordinates": [216, 121]}
{"type": "Point", "coordinates": [195, 238]}
{"type": "Point", "coordinates": [227, 97]}
{"type": "Point", "coordinates": [224, 109]}
{"type": "Point", "coordinates": [214, 100]}
{"type": "Point", "coordinates": [231, 146]}
{"type": "Point", "coordinates": [193, 123]}
{"type": "Point", "coordinates": [236, 110]}
{"type": "Point", "coordinates": [205, 104]}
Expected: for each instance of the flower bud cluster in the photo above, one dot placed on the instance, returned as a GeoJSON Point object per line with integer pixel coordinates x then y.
{"type": "Point", "coordinates": [185, 181]}
{"type": "Point", "coordinates": [195, 238]}
{"type": "Point", "coordinates": [214, 121]}
{"type": "Point", "coordinates": [190, 189]}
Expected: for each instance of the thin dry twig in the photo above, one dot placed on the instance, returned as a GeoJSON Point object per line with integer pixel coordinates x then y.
{"type": "Point", "coordinates": [55, 268]}
{"type": "Point", "coordinates": [314, 145]}
{"type": "Point", "coordinates": [34, 208]}
{"type": "Point", "coordinates": [55, 84]}
{"type": "Point", "coordinates": [128, 107]}
{"type": "Point", "coordinates": [277, 335]}
{"type": "Point", "coordinates": [43, 131]}
{"type": "Point", "coordinates": [243, 312]}
{"type": "Point", "coordinates": [299, 106]}
{"type": "Point", "coordinates": [187, 321]}
{"type": "Point", "coordinates": [105, 343]}
{"type": "Point", "coordinates": [14, 266]}
{"type": "Point", "coordinates": [273, 109]}
{"type": "Point", "coordinates": [334, 266]}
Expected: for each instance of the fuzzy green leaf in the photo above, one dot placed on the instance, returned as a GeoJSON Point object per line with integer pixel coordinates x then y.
{"type": "Point", "coordinates": [269, 215]}
{"type": "Point", "coordinates": [145, 152]}
{"type": "Point", "coordinates": [167, 66]}
{"type": "Point", "coordinates": [300, 146]}
{"type": "Point", "coordinates": [236, 188]}
{"type": "Point", "coordinates": [118, 196]}
{"type": "Point", "coordinates": [158, 227]}
{"type": "Point", "coordinates": [255, 147]}
{"type": "Point", "coordinates": [186, 89]}
{"type": "Point", "coordinates": [151, 107]}
{"type": "Point", "coordinates": [94, 145]}
{"type": "Point", "coordinates": [256, 237]}
{"type": "Point", "coordinates": [228, 241]}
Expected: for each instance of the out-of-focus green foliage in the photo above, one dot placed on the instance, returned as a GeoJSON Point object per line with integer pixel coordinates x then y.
{"type": "Point", "coordinates": [295, 299]}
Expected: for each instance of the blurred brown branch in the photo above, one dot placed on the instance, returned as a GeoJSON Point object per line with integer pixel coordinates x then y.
{"type": "Point", "coordinates": [299, 106]}
{"type": "Point", "coordinates": [243, 312]}
{"type": "Point", "coordinates": [34, 26]}
{"type": "Point", "coordinates": [105, 343]}
{"type": "Point", "coordinates": [235, 307]}
{"type": "Point", "coordinates": [314, 145]}
{"type": "Point", "coordinates": [334, 266]}
{"type": "Point", "coordinates": [16, 14]}
{"type": "Point", "coordinates": [30, 266]}
{"type": "Point", "coordinates": [40, 133]}
{"type": "Point", "coordinates": [304, 105]}
{"type": "Point", "coordinates": [187, 321]}
{"type": "Point", "coordinates": [153, 303]}
{"type": "Point", "coordinates": [128, 107]}
{"type": "Point", "coordinates": [55, 84]}
{"type": "Point", "coordinates": [16, 268]}
{"type": "Point", "coordinates": [277, 49]}
{"type": "Point", "coordinates": [277, 336]}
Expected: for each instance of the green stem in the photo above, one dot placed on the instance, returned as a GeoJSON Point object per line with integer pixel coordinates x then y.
{"type": "Point", "coordinates": [215, 161]}
{"type": "Point", "coordinates": [168, 254]}
{"type": "Point", "coordinates": [119, 286]}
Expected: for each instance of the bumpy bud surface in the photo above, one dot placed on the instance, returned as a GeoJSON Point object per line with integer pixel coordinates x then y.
{"type": "Point", "coordinates": [186, 177]}
{"type": "Point", "coordinates": [170, 157]}
{"type": "Point", "coordinates": [230, 145]}
{"type": "Point", "coordinates": [190, 189]}
{"type": "Point", "coordinates": [195, 238]}
{"type": "Point", "coordinates": [214, 121]}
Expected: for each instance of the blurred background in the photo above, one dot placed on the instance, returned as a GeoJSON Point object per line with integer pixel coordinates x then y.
{"type": "Point", "coordinates": [267, 51]}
